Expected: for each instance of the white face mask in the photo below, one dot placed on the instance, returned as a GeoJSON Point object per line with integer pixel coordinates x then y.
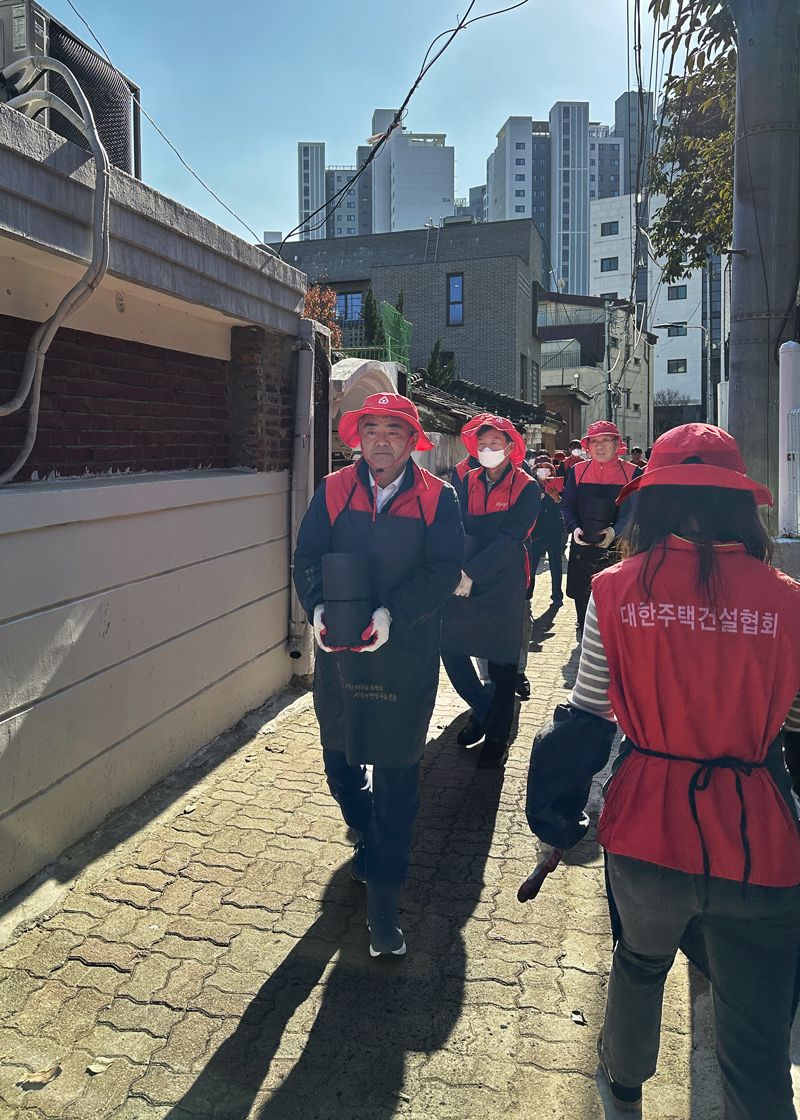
{"type": "Point", "coordinates": [489, 458]}
{"type": "Point", "coordinates": [543, 473]}
{"type": "Point", "coordinates": [576, 453]}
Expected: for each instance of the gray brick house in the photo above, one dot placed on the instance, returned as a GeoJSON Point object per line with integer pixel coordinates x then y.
{"type": "Point", "coordinates": [471, 285]}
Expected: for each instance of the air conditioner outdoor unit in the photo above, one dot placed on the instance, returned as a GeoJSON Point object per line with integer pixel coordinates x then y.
{"type": "Point", "coordinates": [27, 29]}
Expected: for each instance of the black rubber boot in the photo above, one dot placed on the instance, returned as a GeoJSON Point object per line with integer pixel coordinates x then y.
{"type": "Point", "coordinates": [494, 753]}
{"type": "Point", "coordinates": [470, 734]}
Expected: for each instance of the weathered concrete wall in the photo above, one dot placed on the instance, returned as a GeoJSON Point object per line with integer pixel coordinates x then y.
{"type": "Point", "coordinates": [138, 619]}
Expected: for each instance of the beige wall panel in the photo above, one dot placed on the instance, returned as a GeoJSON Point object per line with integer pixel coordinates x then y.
{"type": "Point", "coordinates": [54, 737]}
{"type": "Point", "coordinates": [35, 834]}
{"type": "Point", "coordinates": [54, 649]}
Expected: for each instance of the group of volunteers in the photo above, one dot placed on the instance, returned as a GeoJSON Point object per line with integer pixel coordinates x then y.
{"type": "Point", "coordinates": [690, 646]}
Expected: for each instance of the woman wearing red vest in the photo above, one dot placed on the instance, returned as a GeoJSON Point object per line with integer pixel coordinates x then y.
{"type": "Point", "coordinates": [499, 505]}
{"type": "Point", "coordinates": [692, 645]}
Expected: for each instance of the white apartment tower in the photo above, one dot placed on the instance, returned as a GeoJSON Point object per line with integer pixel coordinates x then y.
{"type": "Point", "coordinates": [569, 195]}
{"type": "Point", "coordinates": [413, 178]}
{"type": "Point", "coordinates": [310, 188]}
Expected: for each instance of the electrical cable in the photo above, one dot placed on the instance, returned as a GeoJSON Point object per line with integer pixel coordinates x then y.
{"type": "Point", "coordinates": [28, 70]}
{"type": "Point", "coordinates": [168, 142]}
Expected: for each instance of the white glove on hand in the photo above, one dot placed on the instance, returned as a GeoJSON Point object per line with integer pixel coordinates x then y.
{"type": "Point", "coordinates": [319, 628]}
{"type": "Point", "coordinates": [377, 633]}
{"type": "Point", "coordinates": [464, 586]}
{"type": "Point", "coordinates": [607, 538]}
{"type": "Point", "coordinates": [577, 536]}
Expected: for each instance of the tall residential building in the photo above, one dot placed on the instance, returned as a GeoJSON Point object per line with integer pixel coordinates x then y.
{"type": "Point", "coordinates": [413, 178]}
{"type": "Point", "coordinates": [310, 187]}
{"type": "Point", "coordinates": [606, 162]}
{"type": "Point", "coordinates": [628, 109]}
{"type": "Point", "coordinates": [569, 195]}
{"type": "Point", "coordinates": [343, 218]}
{"type": "Point", "coordinates": [518, 173]}
{"type": "Point", "coordinates": [684, 315]}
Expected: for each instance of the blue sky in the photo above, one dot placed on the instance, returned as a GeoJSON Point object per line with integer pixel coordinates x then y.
{"type": "Point", "coordinates": [236, 84]}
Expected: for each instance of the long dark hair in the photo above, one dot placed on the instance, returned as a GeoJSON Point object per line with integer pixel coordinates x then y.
{"type": "Point", "coordinates": [703, 515]}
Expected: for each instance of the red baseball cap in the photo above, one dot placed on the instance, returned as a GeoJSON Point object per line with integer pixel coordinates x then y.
{"type": "Point", "coordinates": [697, 455]}
{"type": "Point", "coordinates": [383, 404]}
{"type": "Point", "coordinates": [599, 428]}
{"type": "Point", "coordinates": [469, 435]}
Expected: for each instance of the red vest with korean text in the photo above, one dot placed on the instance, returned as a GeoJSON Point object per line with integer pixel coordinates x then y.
{"type": "Point", "coordinates": [689, 681]}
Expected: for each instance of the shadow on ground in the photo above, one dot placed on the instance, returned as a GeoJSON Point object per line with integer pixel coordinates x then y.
{"type": "Point", "coordinates": [372, 1014]}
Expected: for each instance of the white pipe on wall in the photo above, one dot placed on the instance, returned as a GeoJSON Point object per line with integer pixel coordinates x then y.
{"type": "Point", "coordinates": [788, 399]}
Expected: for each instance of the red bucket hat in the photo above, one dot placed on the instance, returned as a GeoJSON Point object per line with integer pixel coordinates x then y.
{"type": "Point", "coordinates": [469, 436]}
{"type": "Point", "coordinates": [715, 461]}
{"type": "Point", "coordinates": [383, 404]}
{"type": "Point", "coordinates": [599, 428]}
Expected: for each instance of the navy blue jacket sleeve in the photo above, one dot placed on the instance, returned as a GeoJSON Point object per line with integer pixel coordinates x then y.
{"type": "Point", "coordinates": [437, 577]}
{"type": "Point", "coordinates": [313, 541]}
{"type": "Point", "coordinates": [517, 524]}
{"type": "Point", "coordinates": [569, 501]}
{"type": "Point", "coordinates": [625, 511]}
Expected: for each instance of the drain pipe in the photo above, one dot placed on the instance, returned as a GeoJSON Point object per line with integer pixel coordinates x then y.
{"type": "Point", "coordinates": [302, 483]}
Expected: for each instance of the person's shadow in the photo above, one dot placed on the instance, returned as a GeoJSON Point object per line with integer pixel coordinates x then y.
{"type": "Point", "coordinates": [371, 1014]}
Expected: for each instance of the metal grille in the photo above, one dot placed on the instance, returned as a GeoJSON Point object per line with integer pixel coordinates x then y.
{"type": "Point", "coordinates": [398, 334]}
{"type": "Point", "coordinates": [106, 91]}
{"type": "Point", "coordinates": [793, 470]}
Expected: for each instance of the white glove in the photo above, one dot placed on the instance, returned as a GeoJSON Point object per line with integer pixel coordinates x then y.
{"type": "Point", "coordinates": [577, 536]}
{"type": "Point", "coordinates": [607, 537]}
{"type": "Point", "coordinates": [377, 633]}
{"type": "Point", "coordinates": [319, 628]}
{"type": "Point", "coordinates": [464, 586]}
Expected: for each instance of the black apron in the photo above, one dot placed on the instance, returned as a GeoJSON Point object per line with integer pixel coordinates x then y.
{"type": "Point", "coordinates": [376, 707]}
{"type": "Point", "coordinates": [488, 622]}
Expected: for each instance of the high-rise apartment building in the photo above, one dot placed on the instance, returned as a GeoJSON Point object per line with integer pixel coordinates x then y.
{"type": "Point", "coordinates": [413, 177]}
{"type": "Point", "coordinates": [410, 183]}
{"type": "Point", "coordinates": [310, 188]}
{"type": "Point", "coordinates": [635, 123]}
{"type": "Point", "coordinates": [606, 162]}
{"type": "Point", "coordinates": [569, 195]}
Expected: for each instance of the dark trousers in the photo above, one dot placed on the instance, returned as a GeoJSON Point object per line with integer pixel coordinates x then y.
{"type": "Point", "coordinates": [752, 937]}
{"type": "Point", "coordinates": [552, 547]}
{"type": "Point", "coordinates": [494, 710]}
{"type": "Point", "coordinates": [382, 816]}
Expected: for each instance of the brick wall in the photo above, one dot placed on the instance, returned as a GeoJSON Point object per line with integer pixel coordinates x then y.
{"type": "Point", "coordinates": [107, 403]}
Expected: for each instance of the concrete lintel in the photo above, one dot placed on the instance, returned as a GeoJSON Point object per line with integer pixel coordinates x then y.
{"type": "Point", "coordinates": [46, 192]}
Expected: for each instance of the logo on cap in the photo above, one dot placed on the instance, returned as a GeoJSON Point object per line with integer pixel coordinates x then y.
{"type": "Point", "coordinates": [383, 400]}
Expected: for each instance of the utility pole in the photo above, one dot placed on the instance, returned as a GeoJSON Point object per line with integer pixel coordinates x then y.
{"type": "Point", "coordinates": [766, 220]}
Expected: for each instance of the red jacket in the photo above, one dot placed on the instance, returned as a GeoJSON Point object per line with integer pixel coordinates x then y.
{"type": "Point", "coordinates": [686, 682]}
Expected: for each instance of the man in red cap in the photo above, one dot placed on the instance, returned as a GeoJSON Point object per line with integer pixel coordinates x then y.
{"type": "Point", "coordinates": [499, 506]}
{"type": "Point", "coordinates": [374, 700]}
{"type": "Point", "coordinates": [590, 513]}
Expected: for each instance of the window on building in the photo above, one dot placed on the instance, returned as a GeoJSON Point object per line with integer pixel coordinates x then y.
{"type": "Point", "coordinates": [352, 232]}
{"type": "Point", "coordinates": [592, 147]}
{"type": "Point", "coordinates": [519, 209]}
{"type": "Point", "coordinates": [592, 162]}
{"type": "Point", "coordinates": [351, 217]}
{"type": "Point", "coordinates": [348, 304]}
{"type": "Point", "coordinates": [455, 299]}
{"type": "Point", "coordinates": [677, 330]}
{"type": "Point", "coordinates": [351, 205]}
{"type": "Point", "coordinates": [519, 194]}
{"type": "Point", "coordinates": [519, 162]}
{"type": "Point", "coordinates": [523, 377]}
{"type": "Point", "coordinates": [609, 264]}
{"type": "Point", "coordinates": [676, 291]}
{"type": "Point", "coordinates": [305, 177]}
{"type": "Point", "coordinates": [592, 194]}
{"type": "Point", "coordinates": [637, 408]}
{"type": "Point", "coordinates": [676, 365]}
{"type": "Point", "coordinates": [519, 178]}
{"type": "Point", "coordinates": [592, 178]}
{"type": "Point", "coordinates": [608, 229]}
{"type": "Point", "coordinates": [520, 146]}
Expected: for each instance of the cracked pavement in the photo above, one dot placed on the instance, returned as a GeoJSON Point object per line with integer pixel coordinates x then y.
{"type": "Point", "coordinates": [209, 944]}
